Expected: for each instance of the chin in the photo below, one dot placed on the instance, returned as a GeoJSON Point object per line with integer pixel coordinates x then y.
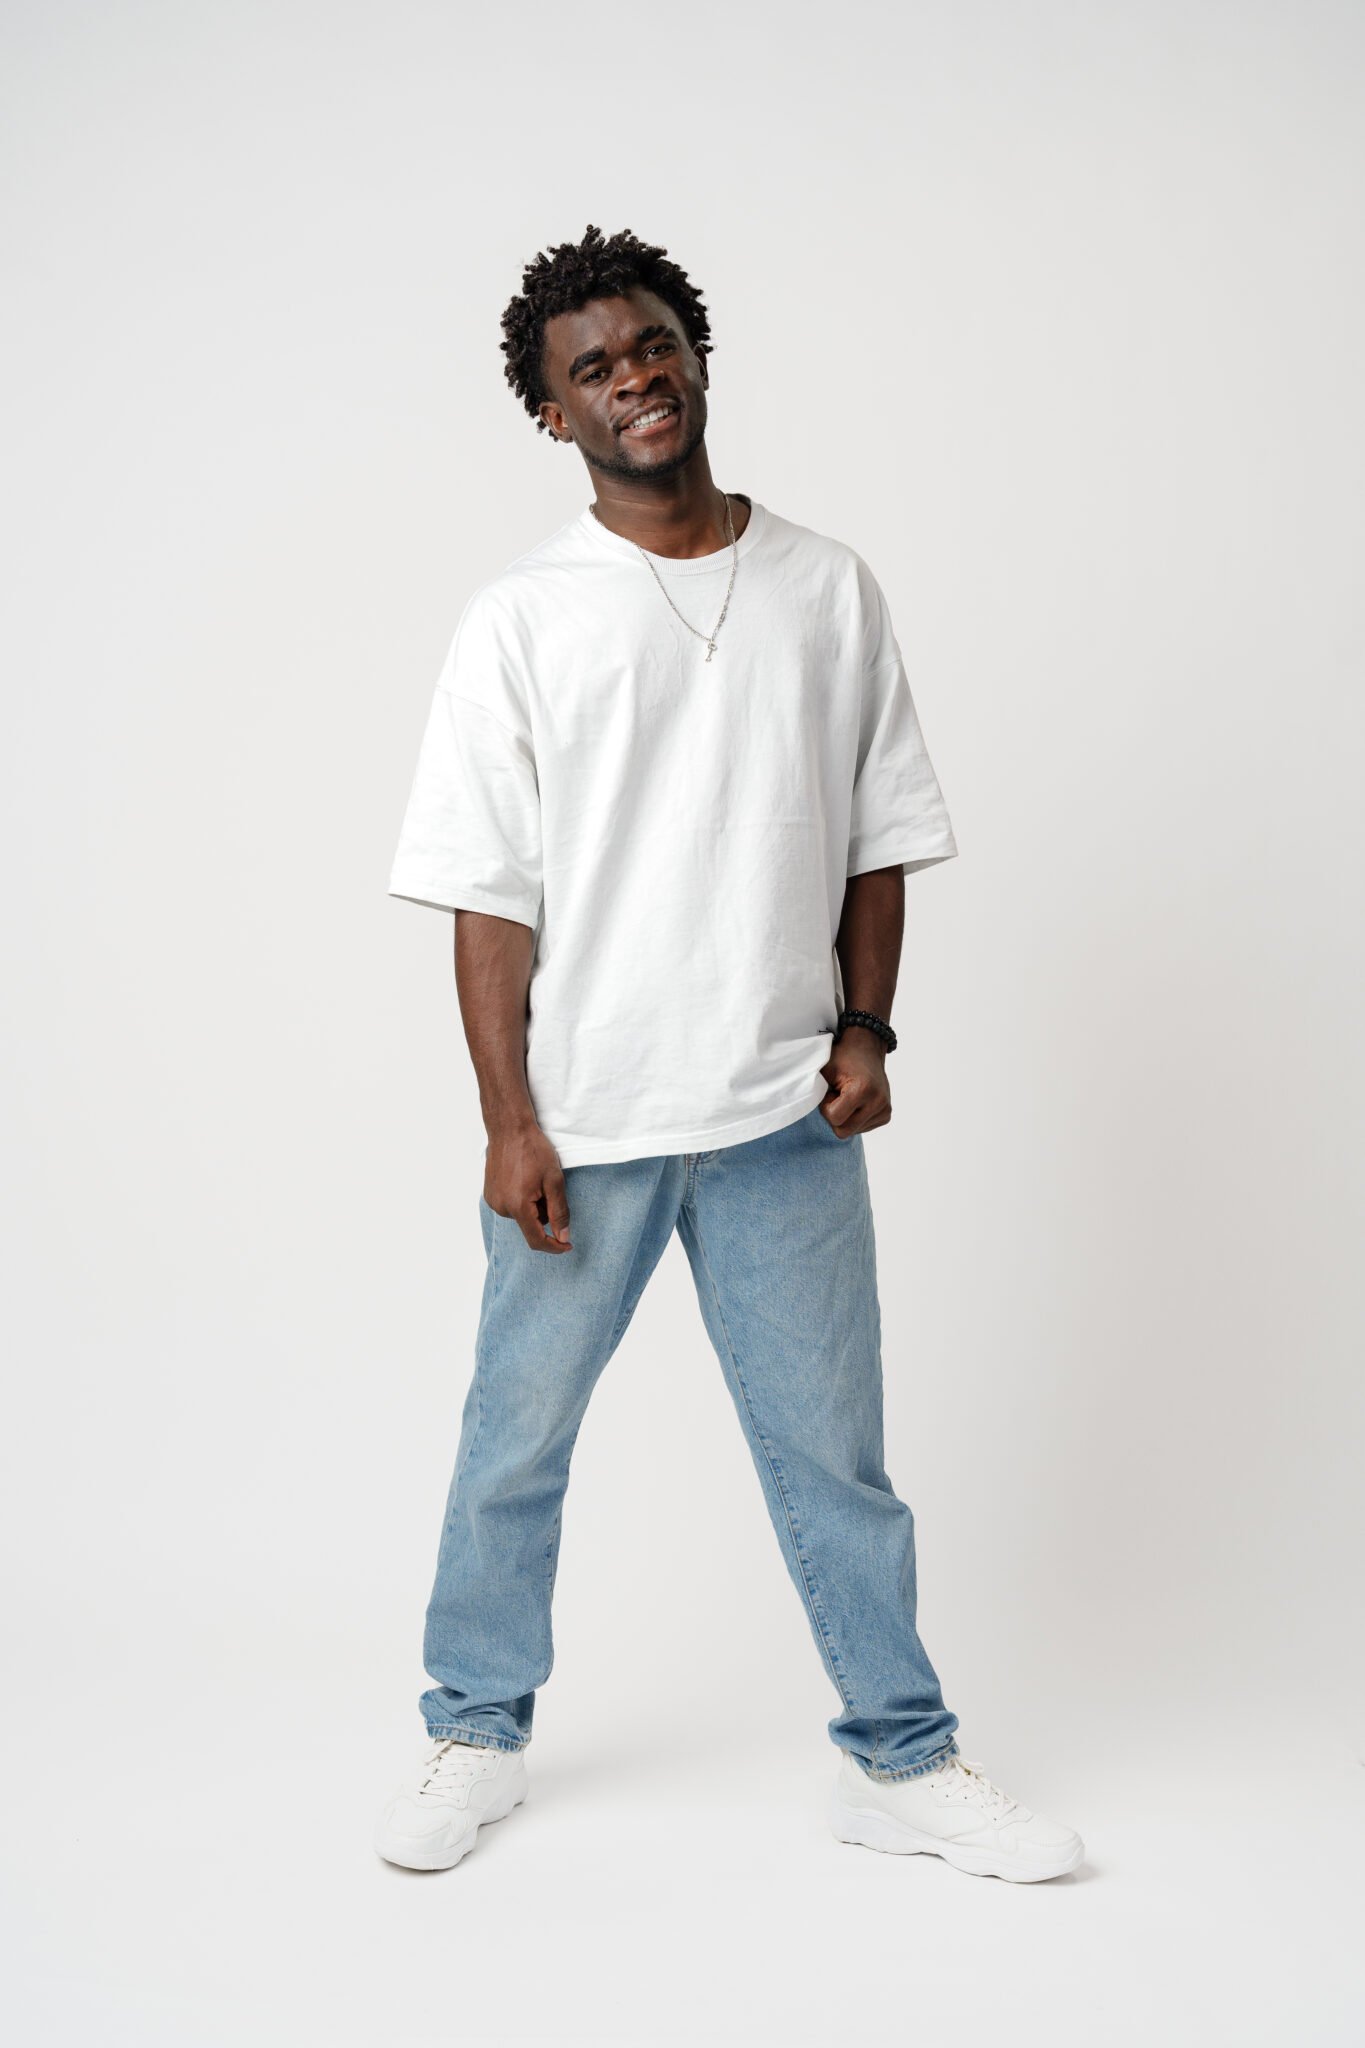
{"type": "Point", "coordinates": [668, 465]}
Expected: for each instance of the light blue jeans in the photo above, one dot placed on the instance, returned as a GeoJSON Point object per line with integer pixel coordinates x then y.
{"type": "Point", "coordinates": [778, 1233]}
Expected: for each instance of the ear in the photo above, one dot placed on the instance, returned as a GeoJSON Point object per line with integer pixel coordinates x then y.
{"type": "Point", "coordinates": [553, 419]}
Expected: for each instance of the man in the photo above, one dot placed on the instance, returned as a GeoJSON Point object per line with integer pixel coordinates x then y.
{"type": "Point", "coordinates": [670, 787]}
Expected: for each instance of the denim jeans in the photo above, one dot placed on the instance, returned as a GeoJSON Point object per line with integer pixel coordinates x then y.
{"type": "Point", "coordinates": [778, 1233]}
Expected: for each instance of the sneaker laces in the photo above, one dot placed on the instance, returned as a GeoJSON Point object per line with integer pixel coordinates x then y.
{"type": "Point", "coordinates": [450, 1765]}
{"type": "Point", "coordinates": [967, 1781]}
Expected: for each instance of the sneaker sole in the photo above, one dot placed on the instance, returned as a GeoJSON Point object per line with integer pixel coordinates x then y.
{"type": "Point", "coordinates": [872, 1829]}
{"type": "Point", "coordinates": [412, 1857]}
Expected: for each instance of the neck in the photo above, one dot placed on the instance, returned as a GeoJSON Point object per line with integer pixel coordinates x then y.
{"type": "Point", "coordinates": [682, 516]}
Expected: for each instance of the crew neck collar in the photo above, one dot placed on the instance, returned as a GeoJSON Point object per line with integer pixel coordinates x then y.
{"type": "Point", "coordinates": [675, 565]}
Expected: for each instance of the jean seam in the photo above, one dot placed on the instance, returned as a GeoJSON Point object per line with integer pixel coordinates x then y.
{"type": "Point", "coordinates": [479, 1736]}
{"type": "Point", "coordinates": [620, 1329]}
{"type": "Point", "coordinates": [550, 1550]}
{"type": "Point", "coordinates": [478, 1365]}
{"type": "Point", "coordinates": [832, 1658]}
{"type": "Point", "coordinates": [924, 1766]}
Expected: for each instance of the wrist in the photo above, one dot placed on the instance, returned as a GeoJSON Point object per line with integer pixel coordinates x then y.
{"type": "Point", "coordinates": [860, 1036]}
{"type": "Point", "coordinates": [868, 1024]}
{"type": "Point", "coordinates": [507, 1117]}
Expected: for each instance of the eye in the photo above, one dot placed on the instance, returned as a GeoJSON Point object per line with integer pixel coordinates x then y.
{"type": "Point", "coordinates": [589, 376]}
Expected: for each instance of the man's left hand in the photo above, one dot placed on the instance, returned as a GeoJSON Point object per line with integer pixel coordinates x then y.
{"type": "Point", "coordinates": [859, 1097]}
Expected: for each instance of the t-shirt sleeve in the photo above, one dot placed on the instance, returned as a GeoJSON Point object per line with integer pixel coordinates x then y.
{"type": "Point", "coordinates": [470, 838]}
{"type": "Point", "coordinates": [899, 816]}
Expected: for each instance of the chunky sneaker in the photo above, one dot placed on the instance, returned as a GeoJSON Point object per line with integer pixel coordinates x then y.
{"type": "Point", "coordinates": [954, 1812]}
{"type": "Point", "coordinates": [433, 1822]}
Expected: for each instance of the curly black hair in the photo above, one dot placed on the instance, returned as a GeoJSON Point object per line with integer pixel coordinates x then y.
{"type": "Point", "coordinates": [561, 279]}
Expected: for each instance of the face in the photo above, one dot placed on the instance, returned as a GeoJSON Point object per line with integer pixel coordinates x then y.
{"type": "Point", "coordinates": [611, 363]}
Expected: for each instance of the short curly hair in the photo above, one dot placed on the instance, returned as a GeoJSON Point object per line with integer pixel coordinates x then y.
{"type": "Point", "coordinates": [561, 279]}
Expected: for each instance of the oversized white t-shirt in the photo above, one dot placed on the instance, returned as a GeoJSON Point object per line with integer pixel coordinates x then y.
{"type": "Point", "coordinates": [676, 832]}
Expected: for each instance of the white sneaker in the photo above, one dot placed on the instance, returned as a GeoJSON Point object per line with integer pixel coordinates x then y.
{"type": "Point", "coordinates": [433, 1822]}
{"type": "Point", "coordinates": [954, 1812]}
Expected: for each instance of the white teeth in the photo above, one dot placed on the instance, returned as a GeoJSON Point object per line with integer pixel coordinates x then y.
{"type": "Point", "coordinates": [647, 419]}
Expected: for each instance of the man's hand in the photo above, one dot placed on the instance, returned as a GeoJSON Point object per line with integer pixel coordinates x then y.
{"type": "Point", "coordinates": [523, 1179]}
{"type": "Point", "coordinates": [859, 1098]}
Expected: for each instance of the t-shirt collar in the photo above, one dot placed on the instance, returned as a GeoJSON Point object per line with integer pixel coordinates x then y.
{"type": "Point", "coordinates": [672, 565]}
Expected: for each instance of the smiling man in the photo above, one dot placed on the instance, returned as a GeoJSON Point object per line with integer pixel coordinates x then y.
{"type": "Point", "coordinates": [670, 787]}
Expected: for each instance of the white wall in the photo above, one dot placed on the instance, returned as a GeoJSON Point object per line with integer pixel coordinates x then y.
{"type": "Point", "coordinates": [1054, 312]}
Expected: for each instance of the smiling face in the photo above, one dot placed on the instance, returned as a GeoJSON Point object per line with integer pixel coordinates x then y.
{"type": "Point", "coordinates": [614, 365]}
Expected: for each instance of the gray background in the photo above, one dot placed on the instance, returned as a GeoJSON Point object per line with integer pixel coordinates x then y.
{"type": "Point", "coordinates": [1053, 312]}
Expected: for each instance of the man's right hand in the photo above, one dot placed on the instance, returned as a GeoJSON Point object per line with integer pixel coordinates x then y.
{"type": "Point", "coordinates": [523, 1179]}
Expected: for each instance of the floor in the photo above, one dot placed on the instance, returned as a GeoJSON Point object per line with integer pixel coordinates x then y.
{"type": "Point", "coordinates": [195, 1868]}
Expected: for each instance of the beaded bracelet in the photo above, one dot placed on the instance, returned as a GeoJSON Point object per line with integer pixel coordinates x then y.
{"type": "Point", "coordinates": [877, 1024]}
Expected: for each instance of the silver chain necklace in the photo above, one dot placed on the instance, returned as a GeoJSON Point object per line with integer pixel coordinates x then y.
{"type": "Point", "coordinates": [710, 638]}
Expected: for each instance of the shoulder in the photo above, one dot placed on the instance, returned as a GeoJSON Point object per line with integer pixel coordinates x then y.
{"type": "Point", "coordinates": [821, 552]}
{"type": "Point", "coordinates": [500, 616]}
{"type": "Point", "coordinates": [841, 580]}
{"type": "Point", "coordinates": [531, 578]}
{"type": "Point", "coordinates": [809, 540]}
{"type": "Point", "coordinates": [833, 572]}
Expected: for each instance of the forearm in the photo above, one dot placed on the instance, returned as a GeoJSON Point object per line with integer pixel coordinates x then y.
{"type": "Point", "coordinates": [871, 929]}
{"type": "Point", "coordinates": [493, 958]}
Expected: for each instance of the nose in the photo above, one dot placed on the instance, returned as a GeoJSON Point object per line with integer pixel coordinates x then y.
{"type": "Point", "coordinates": [634, 378]}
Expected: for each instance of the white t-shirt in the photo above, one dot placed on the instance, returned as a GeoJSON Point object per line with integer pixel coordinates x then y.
{"type": "Point", "coordinates": [676, 832]}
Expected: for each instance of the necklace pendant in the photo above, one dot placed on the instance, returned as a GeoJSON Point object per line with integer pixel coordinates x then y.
{"type": "Point", "coordinates": [710, 649]}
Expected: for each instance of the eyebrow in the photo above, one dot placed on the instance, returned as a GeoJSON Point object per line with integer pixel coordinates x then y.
{"type": "Point", "coordinates": [599, 355]}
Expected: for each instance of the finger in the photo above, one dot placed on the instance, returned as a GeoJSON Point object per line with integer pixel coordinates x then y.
{"type": "Point", "coordinates": [859, 1117]}
{"type": "Point", "coordinates": [839, 1115]}
{"type": "Point", "coordinates": [557, 1203]}
{"type": "Point", "coordinates": [533, 1229]}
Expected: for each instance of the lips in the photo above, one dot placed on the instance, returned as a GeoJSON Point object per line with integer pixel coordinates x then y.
{"type": "Point", "coordinates": [669, 408]}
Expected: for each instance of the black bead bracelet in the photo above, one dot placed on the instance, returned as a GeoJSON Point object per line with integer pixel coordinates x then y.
{"type": "Point", "coordinates": [865, 1017]}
